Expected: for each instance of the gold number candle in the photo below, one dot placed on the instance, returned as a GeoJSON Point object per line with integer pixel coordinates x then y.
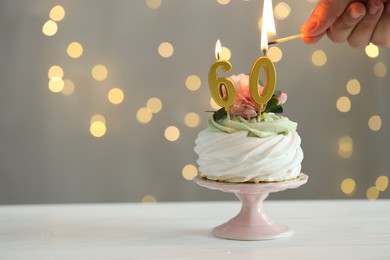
{"type": "Point", "coordinates": [262, 63]}
{"type": "Point", "coordinates": [222, 89]}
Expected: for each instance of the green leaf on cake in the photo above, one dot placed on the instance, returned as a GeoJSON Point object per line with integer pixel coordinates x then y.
{"type": "Point", "coordinates": [219, 114]}
{"type": "Point", "coordinates": [273, 105]}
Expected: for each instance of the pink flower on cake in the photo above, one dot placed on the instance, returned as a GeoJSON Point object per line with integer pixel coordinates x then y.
{"type": "Point", "coordinates": [282, 98]}
{"type": "Point", "coordinates": [244, 105]}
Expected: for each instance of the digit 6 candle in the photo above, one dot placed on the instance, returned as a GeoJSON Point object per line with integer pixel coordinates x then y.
{"type": "Point", "coordinates": [222, 89]}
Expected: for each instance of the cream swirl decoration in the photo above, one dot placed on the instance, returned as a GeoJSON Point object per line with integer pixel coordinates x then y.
{"type": "Point", "coordinates": [235, 157]}
{"type": "Point", "coordinates": [271, 125]}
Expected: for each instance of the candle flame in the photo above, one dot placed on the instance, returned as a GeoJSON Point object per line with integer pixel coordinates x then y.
{"type": "Point", "coordinates": [218, 50]}
{"type": "Point", "coordinates": [268, 24]}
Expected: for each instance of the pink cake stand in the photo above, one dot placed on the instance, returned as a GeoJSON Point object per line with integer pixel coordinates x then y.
{"type": "Point", "coordinates": [252, 223]}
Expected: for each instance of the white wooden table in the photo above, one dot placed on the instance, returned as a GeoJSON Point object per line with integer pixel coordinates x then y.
{"type": "Point", "coordinates": [322, 230]}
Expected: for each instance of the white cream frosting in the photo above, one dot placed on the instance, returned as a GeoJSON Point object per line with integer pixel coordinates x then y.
{"type": "Point", "coordinates": [235, 157]}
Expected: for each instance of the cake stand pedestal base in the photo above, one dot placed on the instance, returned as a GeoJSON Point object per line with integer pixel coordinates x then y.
{"type": "Point", "coordinates": [252, 223]}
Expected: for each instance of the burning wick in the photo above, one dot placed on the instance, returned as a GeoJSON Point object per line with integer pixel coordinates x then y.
{"type": "Point", "coordinates": [289, 38]}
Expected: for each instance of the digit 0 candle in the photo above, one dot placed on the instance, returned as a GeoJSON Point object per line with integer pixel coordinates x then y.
{"type": "Point", "coordinates": [263, 62]}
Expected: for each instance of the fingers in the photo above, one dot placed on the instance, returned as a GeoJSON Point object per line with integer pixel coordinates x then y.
{"type": "Point", "coordinates": [342, 28]}
{"type": "Point", "coordinates": [357, 21]}
{"type": "Point", "coordinates": [324, 15]}
{"type": "Point", "coordinates": [381, 35]}
{"type": "Point", "coordinates": [364, 31]}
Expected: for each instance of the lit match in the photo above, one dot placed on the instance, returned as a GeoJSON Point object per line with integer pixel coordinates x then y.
{"type": "Point", "coordinates": [289, 38]}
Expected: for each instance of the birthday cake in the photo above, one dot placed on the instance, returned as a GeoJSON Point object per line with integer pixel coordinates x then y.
{"type": "Point", "coordinates": [249, 147]}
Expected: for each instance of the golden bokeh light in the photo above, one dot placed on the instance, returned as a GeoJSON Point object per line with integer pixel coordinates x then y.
{"type": "Point", "coordinates": [115, 96]}
{"type": "Point", "coordinates": [55, 71]}
{"type": "Point", "coordinates": [192, 119]}
{"type": "Point", "coordinates": [372, 193]}
{"type": "Point", "coordinates": [165, 49]}
{"type": "Point", "coordinates": [282, 10]}
{"type": "Point", "coordinates": [343, 104]}
{"type": "Point", "coordinates": [98, 118]}
{"type": "Point", "coordinates": [381, 183]}
{"type": "Point", "coordinates": [98, 129]}
{"type": "Point", "coordinates": [99, 72]}
{"type": "Point", "coordinates": [57, 13]}
{"type": "Point", "coordinates": [353, 87]}
{"type": "Point", "coordinates": [74, 50]}
{"type": "Point", "coordinates": [372, 50]}
{"type": "Point", "coordinates": [375, 123]}
{"type": "Point", "coordinates": [226, 54]}
{"type": "Point", "coordinates": [193, 82]}
{"type": "Point", "coordinates": [149, 199]}
{"type": "Point", "coordinates": [223, 2]}
{"type": "Point", "coordinates": [68, 88]}
{"type": "Point", "coordinates": [380, 69]}
{"type": "Point", "coordinates": [50, 28]}
{"type": "Point", "coordinates": [348, 186]}
{"type": "Point", "coordinates": [275, 54]}
{"type": "Point", "coordinates": [144, 115]}
{"type": "Point", "coordinates": [319, 58]}
{"type": "Point", "coordinates": [154, 105]}
{"type": "Point", "coordinates": [345, 147]}
{"type": "Point", "coordinates": [56, 84]}
{"type": "Point", "coordinates": [189, 172]}
{"type": "Point", "coordinates": [172, 133]}
{"type": "Point", "coordinates": [153, 4]}
{"type": "Point", "coordinates": [213, 104]}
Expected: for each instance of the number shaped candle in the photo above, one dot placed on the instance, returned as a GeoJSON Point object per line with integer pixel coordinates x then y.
{"type": "Point", "coordinates": [222, 89]}
{"type": "Point", "coordinates": [269, 84]}
{"type": "Point", "coordinates": [264, 63]}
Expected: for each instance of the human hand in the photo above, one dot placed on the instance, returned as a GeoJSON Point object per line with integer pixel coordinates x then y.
{"type": "Point", "coordinates": [357, 21]}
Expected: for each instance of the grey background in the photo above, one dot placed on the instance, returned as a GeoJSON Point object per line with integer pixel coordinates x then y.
{"type": "Point", "coordinates": [47, 154]}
